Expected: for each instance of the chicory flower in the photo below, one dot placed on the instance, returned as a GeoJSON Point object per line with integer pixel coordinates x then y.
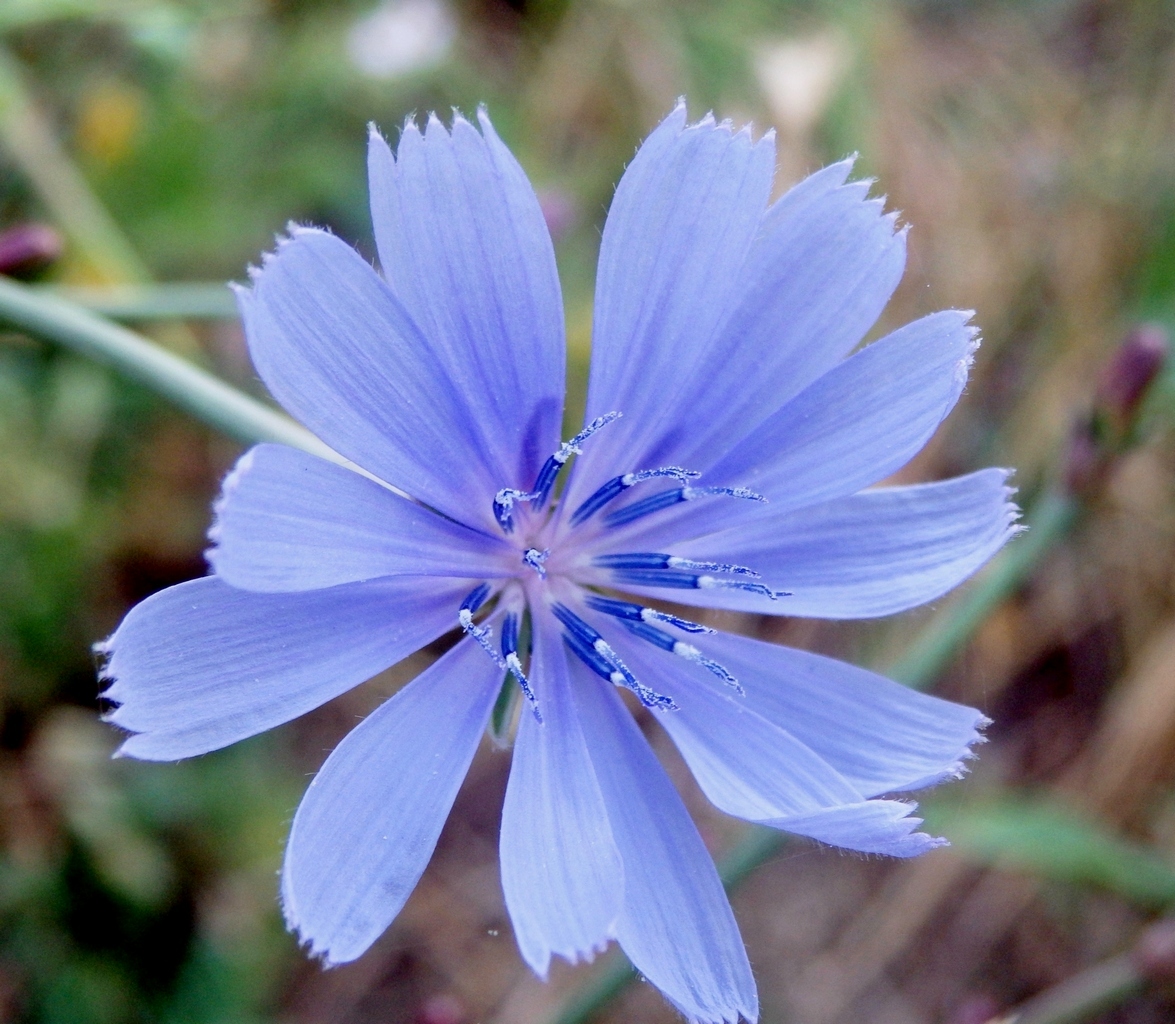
{"type": "Point", "coordinates": [731, 438]}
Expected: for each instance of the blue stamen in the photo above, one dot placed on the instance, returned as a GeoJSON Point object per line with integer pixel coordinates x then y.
{"type": "Point", "coordinates": [657, 637]}
{"type": "Point", "coordinates": [476, 598]}
{"type": "Point", "coordinates": [482, 634]}
{"type": "Point", "coordinates": [535, 559]}
{"type": "Point", "coordinates": [549, 473]}
{"type": "Point", "coordinates": [680, 580]}
{"type": "Point", "coordinates": [686, 650]}
{"type": "Point", "coordinates": [504, 502]}
{"type": "Point", "coordinates": [665, 499]}
{"type": "Point", "coordinates": [598, 655]}
{"type": "Point", "coordinates": [637, 613]}
{"type": "Point", "coordinates": [668, 643]}
{"type": "Point", "coordinates": [734, 570]}
{"type": "Point", "coordinates": [652, 560]}
{"type": "Point", "coordinates": [510, 628]}
{"type": "Point", "coordinates": [644, 507]}
{"type": "Point", "coordinates": [618, 484]}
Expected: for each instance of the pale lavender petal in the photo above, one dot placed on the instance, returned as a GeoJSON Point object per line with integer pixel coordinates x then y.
{"type": "Point", "coordinates": [876, 826]}
{"type": "Point", "coordinates": [826, 263]}
{"type": "Point", "coordinates": [338, 350]}
{"type": "Point", "coordinates": [857, 424]}
{"type": "Point", "coordinates": [369, 821]}
{"type": "Point", "coordinates": [677, 926]}
{"type": "Point", "coordinates": [756, 769]}
{"type": "Point", "coordinates": [290, 521]}
{"type": "Point", "coordinates": [201, 665]}
{"type": "Point", "coordinates": [861, 421]}
{"type": "Point", "coordinates": [874, 553]}
{"type": "Point", "coordinates": [878, 735]}
{"type": "Point", "coordinates": [463, 244]}
{"type": "Point", "coordinates": [681, 225]}
{"type": "Point", "coordinates": [561, 872]}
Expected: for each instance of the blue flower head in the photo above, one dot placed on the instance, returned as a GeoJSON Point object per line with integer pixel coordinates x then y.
{"type": "Point", "coordinates": [732, 436]}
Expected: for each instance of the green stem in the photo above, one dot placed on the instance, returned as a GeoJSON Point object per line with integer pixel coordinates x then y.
{"type": "Point", "coordinates": [938, 644]}
{"type": "Point", "coordinates": [203, 395]}
{"type": "Point", "coordinates": [183, 301]}
{"type": "Point", "coordinates": [1083, 996]}
{"type": "Point", "coordinates": [611, 977]}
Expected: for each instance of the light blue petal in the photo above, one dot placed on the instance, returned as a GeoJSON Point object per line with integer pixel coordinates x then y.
{"type": "Point", "coordinates": [756, 769]}
{"type": "Point", "coordinates": [463, 243]}
{"type": "Point", "coordinates": [861, 421]}
{"type": "Point", "coordinates": [369, 821]}
{"type": "Point", "coordinates": [678, 233]}
{"type": "Point", "coordinates": [561, 872]}
{"type": "Point", "coordinates": [826, 263]}
{"type": "Point", "coordinates": [878, 735]}
{"type": "Point", "coordinates": [874, 553]}
{"type": "Point", "coordinates": [677, 926]}
{"type": "Point", "coordinates": [338, 350]}
{"type": "Point", "coordinates": [201, 665]}
{"type": "Point", "coordinates": [876, 826]}
{"type": "Point", "coordinates": [289, 521]}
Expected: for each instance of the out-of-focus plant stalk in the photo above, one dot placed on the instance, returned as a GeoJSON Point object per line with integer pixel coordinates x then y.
{"type": "Point", "coordinates": [25, 134]}
{"type": "Point", "coordinates": [1105, 985]}
{"type": "Point", "coordinates": [1098, 440]}
{"type": "Point", "coordinates": [133, 302]}
{"type": "Point", "coordinates": [1083, 996]}
{"type": "Point", "coordinates": [216, 403]}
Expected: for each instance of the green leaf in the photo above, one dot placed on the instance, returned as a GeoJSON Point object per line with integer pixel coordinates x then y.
{"type": "Point", "coordinates": [1043, 837]}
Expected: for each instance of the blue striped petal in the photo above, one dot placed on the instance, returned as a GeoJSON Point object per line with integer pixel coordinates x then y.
{"type": "Point", "coordinates": [463, 244]}
{"type": "Point", "coordinates": [561, 872]}
{"type": "Point", "coordinates": [676, 925]}
{"type": "Point", "coordinates": [289, 521]}
{"type": "Point", "coordinates": [680, 227]}
{"type": "Point", "coordinates": [201, 665]}
{"type": "Point", "coordinates": [340, 352]}
{"type": "Point", "coordinates": [370, 820]}
{"type": "Point", "coordinates": [874, 553]}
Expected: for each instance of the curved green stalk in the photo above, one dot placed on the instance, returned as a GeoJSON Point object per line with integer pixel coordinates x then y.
{"type": "Point", "coordinates": [131, 302]}
{"type": "Point", "coordinates": [206, 397]}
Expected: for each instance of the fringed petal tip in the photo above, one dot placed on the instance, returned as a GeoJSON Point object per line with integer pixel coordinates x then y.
{"type": "Point", "coordinates": [313, 948]}
{"type": "Point", "coordinates": [228, 485]}
{"type": "Point", "coordinates": [293, 232]}
{"type": "Point", "coordinates": [1012, 513]}
{"type": "Point", "coordinates": [958, 767]}
{"type": "Point", "coordinates": [573, 957]}
{"type": "Point", "coordinates": [884, 828]}
{"type": "Point", "coordinates": [750, 1014]}
{"type": "Point", "coordinates": [678, 118]}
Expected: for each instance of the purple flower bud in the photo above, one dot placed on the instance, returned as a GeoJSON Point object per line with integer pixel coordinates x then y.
{"type": "Point", "coordinates": [1131, 370]}
{"type": "Point", "coordinates": [27, 248]}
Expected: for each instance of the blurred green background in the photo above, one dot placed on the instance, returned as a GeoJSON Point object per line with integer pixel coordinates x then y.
{"type": "Point", "coordinates": [1032, 147]}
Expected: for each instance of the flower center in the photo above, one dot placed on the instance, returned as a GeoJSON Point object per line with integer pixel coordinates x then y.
{"type": "Point", "coordinates": [549, 574]}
